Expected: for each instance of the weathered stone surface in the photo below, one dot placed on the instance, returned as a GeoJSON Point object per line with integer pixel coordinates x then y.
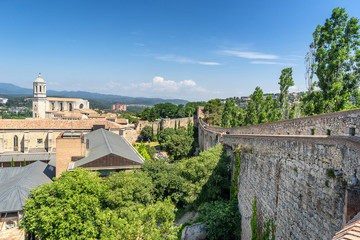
{"type": "Point", "coordinates": [194, 232]}
{"type": "Point", "coordinates": [287, 173]}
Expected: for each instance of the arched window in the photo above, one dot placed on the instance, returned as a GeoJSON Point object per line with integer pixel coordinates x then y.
{"type": "Point", "coordinates": [61, 107]}
{"type": "Point", "coordinates": [70, 107]}
{"type": "Point", "coordinates": [52, 106]}
{"type": "Point", "coordinates": [16, 143]}
{"type": "Point", "coordinates": [81, 106]}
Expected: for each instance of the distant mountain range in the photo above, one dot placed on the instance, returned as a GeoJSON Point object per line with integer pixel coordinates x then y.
{"type": "Point", "coordinates": [11, 90]}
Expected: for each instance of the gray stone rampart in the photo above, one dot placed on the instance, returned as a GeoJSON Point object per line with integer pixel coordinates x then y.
{"type": "Point", "coordinates": [339, 123]}
{"type": "Point", "coordinates": [288, 176]}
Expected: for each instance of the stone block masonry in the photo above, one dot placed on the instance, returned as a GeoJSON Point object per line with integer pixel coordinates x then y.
{"type": "Point", "coordinates": [345, 123]}
{"type": "Point", "coordinates": [292, 175]}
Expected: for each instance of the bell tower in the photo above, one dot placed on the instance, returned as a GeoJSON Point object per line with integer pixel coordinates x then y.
{"type": "Point", "coordinates": [39, 97]}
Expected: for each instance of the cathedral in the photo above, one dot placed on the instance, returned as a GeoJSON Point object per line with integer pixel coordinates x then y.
{"type": "Point", "coordinates": [53, 107]}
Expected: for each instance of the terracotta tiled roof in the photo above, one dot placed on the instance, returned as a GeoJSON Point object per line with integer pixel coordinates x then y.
{"type": "Point", "coordinates": [54, 124]}
{"type": "Point", "coordinates": [350, 231]}
{"type": "Point", "coordinates": [63, 99]}
{"type": "Point", "coordinates": [96, 115]}
{"type": "Point", "coordinates": [122, 120]}
{"type": "Point", "coordinates": [86, 110]}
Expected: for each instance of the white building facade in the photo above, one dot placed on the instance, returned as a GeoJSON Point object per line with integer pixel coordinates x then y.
{"type": "Point", "coordinates": [45, 107]}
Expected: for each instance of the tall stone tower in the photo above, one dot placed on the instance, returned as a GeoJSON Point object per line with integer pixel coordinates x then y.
{"type": "Point", "coordinates": [39, 97]}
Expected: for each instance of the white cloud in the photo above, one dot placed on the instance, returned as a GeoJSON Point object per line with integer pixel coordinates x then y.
{"type": "Point", "coordinates": [249, 55]}
{"type": "Point", "coordinates": [178, 59]}
{"type": "Point", "coordinates": [272, 63]}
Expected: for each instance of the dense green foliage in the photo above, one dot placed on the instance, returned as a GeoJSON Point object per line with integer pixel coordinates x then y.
{"type": "Point", "coordinates": [191, 181]}
{"type": "Point", "coordinates": [78, 206]}
{"type": "Point", "coordinates": [336, 64]}
{"type": "Point", "coordinates": [144, 151]}
{"type": "Point", "coordinates": [147, 134]}
{"type": "Point", "coordinates": [178, 142]}
{"type": "Point", "coordinates": [126, 205]}
{"type": "Point", "coordinates": [286, 81]}
{"type": "Point", "coordinates": [21, 113]}
{"type": "Point", "coordinates": [213, 111]}
{"type": "Point", "coordinates": [235, 187]}
{"type": "Point", "coordinates": [163, 110]}
{"type": "Point", "coordinates": [222, 220]}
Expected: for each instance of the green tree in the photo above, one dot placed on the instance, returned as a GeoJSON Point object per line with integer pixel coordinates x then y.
{"type": "Point", "coordinates": [222, 218]}
{"type": "Point", "coordinates": [141, 148]}
{"type": "Point", "coordinates": [145, 114]}
{"type": "Point", "coordinates": [255, 112]}
{"type": "Point", "coordinates": [24, 162]}
{"type": "Point", "coordinates": [146, 134]}
{"type": "Point", "coordinates": [78, 206]}
{"type": "Point", "coordinates": [152, 115]}
{"type": "Point", "coordinates": [165, 135]}
{"type": "Point", "coordinates": [128, 188]}
{"type": "Point", "coordinates": [67, 208]}
{"type": "Point", "coordinates": [207, 176]}
{"type": "Point", "coordinates": [179, 144]}
{"type": "Point", "coordinates": [213, 110]}
{"type": "Point", "coordinates": [254, 223]}
{"type": "Point", "coordinates": [337, 57]}
{"type": "Point", "coordinates": [167, 180]}
{"type": "Point", "coordinates": [286, 81]}
{"type": "Point", "coordinates": [181, 111]}
{"type": "Point", "coordinates": [230, 114]}
{"type": "Point", "coordinates": [12, 162]}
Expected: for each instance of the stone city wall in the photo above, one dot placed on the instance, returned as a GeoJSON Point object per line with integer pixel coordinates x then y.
{"type": "Point", "coordinates": [343, 123]}
{"type": "Point", "coordinates": [132, 134]}
{"type": "Point", "coordinates": [288, 175]}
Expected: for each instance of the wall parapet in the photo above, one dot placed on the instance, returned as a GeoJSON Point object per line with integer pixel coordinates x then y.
{"type": "Point", "coordinates": [343, 123]}
{"type": "Point", "coordinates": [287, 171]}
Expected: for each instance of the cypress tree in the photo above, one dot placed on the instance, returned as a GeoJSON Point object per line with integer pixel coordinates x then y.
{"type": "Point", "coordinates": [179, 124]}
{"type": "Point", "coordinates": [175, 125]}
{"type": "Point", "coordinates": [254, 228]}
{"type": "Point", "coordinates": [152, 133]}
{"type": "Point", "coordinates": [158, 132]}
{"type": "Point", "coordinates": [24, 162]}
{"type": "Point", "coordinates": [12, 162]}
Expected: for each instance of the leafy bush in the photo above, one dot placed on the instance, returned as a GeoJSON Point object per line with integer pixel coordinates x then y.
{"type": "Point", "coordinates": [222, 220]}
{"type": "Point", "coordinates": [78, 206]}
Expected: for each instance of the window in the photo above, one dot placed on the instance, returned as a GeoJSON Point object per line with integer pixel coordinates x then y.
{"type": "Point", "coordinates": [16, 143]}
{"type": "Point", "coordinates": [81, 106]}
{"type": "Point", "coordinates": [352, 131]}
{"type": "Point", "coordinates": [39, 141]}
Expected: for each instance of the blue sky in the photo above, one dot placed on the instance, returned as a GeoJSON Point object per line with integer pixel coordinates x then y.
{"type": "Point", "coordinates": [189, 49]}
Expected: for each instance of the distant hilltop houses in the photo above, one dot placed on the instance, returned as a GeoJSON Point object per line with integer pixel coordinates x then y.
{"type": "Point", "coordinates": [118, 107]}
{"type": "Point", "coordinates": [3, 100]}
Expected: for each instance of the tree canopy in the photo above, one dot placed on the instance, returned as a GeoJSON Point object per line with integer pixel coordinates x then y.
{"type": "Point", "coordinates": [336, 64]}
